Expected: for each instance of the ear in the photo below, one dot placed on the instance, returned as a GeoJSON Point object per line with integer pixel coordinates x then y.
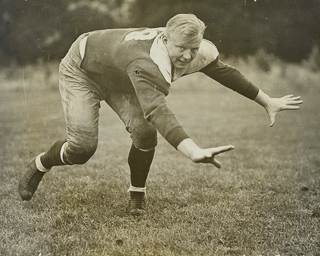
{"type": "Point", "coordinates": [165, 39]}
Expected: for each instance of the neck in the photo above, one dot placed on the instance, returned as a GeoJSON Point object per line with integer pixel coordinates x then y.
{"type": "Point", "coordinates": [178, 72]}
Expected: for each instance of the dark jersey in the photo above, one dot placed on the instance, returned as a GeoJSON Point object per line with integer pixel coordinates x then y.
{"type": "Point", "coordinates": [137, 60]}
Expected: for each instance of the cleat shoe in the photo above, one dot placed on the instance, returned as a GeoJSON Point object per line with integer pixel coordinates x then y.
{"type": "Point", "coordinates": [137, 203]}
{"type": "Point", "coordinates": [30, 181]}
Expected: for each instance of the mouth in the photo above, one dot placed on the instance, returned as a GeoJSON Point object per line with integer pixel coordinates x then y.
{"type": "Point", "coordinates": [183, 62]}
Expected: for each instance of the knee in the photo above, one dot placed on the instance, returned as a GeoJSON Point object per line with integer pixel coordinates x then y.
{"type": "Point", "coordinates": [79, 154]}
{"type": "Point", "coordinates": [145, 138]}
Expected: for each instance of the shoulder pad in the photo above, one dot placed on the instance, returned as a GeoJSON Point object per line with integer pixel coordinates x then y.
{"type": "Point", "coordinates": [207, 53]}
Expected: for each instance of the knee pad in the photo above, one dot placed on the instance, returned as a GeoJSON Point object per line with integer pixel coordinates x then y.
{"type": "Point", "coordinates": [79, 155]}
{"type": "Point", "coordinates": [144, 139]}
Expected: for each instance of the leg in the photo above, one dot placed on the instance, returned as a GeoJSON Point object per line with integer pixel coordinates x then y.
{"type": "Point", "coordinates": [144, 141]}
{"type": "Point", "coordinates": [143, 135]}
{"type": "Point", "coordinates": [81, 102]}
{"type": "Point", "coordinates": [81, 108]}
{"type": "Point", "coordinates": [139, 162]}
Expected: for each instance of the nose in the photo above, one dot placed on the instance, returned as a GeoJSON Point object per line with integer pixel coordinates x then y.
{"type": "Point", "coordinates": [187, 54]}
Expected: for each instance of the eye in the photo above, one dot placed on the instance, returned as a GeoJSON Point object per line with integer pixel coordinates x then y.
{"type": "Point", "coordinates": [194, 50]}
{"type": "Point", "coordinates": [181, 48]}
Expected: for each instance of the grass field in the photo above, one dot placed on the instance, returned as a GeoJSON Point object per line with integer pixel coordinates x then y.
{"type": "Point", "coordinates": [265, 200]}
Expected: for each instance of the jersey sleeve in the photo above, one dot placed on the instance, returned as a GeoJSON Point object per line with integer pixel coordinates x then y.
{"type": "Point", "coordinates": [151, 89]}
{"type": "Point", "coordinates": [231, 78]}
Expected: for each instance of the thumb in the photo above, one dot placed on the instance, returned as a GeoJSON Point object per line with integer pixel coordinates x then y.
{"type": "Point", "coordinates": [272, 119]}
{"type": "Point", "coordinates": [216, 163]}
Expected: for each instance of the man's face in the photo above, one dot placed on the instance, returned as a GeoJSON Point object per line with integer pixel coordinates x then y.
{"type": "Point", "coordinates": [181, 51]}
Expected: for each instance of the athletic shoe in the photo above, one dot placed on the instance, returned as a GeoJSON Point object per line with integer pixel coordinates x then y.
{"type": "Point", "coordinates": [137, 203]}
{"type": "Point", "coordinates": [30, 181]}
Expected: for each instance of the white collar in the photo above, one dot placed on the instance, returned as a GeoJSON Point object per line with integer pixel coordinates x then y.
{"type": "Point", "coordinates": [160, 56]}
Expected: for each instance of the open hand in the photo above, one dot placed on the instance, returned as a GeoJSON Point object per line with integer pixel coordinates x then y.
{"type": "Point", "coordinates": [276, 105]}
{"type": "Point", "coordinates": [207, 155]}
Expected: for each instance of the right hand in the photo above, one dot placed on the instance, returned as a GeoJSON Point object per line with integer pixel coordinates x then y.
{"type": "Point", "coordinates": [202, 155]}
{"type": "Point", "coordinates": [207, 155]}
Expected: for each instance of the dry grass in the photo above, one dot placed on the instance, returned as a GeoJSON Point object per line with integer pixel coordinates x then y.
{"type": "Point", "coordinates": [264, 201]}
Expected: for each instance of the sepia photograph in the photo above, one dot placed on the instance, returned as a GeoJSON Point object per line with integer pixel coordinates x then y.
{"type": "Point", "coordinates": [160, 128]}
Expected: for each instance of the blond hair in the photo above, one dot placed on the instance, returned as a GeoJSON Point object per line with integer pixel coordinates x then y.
{"type": "Point", "coordinates": [187, 26]}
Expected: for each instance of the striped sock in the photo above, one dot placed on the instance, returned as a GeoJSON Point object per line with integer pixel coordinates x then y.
{"type": "Point", "coordinates": [39, 164]}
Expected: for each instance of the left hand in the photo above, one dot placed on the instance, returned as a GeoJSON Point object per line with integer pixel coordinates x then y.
{"type": "Point", "coordinates": [276, 105]}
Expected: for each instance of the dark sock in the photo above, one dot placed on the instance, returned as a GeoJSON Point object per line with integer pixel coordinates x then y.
{"type": "Point", "coordinates": [52, 156]}
{"type": "Point", "coordinates": [139, 162]}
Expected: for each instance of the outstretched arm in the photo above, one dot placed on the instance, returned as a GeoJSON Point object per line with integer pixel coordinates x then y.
{"type": "Point", "coordinates": [199, 155]}
{"type": "Point", "coordinates": [233, 79]}
{"type": "Point", "coordinates": [275, 105]}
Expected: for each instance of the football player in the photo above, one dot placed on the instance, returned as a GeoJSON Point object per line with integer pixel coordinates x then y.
{"type": "Point", "coordinates": [132, 71]}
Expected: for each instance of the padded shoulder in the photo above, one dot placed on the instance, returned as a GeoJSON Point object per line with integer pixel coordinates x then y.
{"type": "Point", "coordinates": [208, 52]}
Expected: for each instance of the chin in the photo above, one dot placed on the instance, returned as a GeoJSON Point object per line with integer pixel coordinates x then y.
{"type": "Point", "coordinates": [181, 65]}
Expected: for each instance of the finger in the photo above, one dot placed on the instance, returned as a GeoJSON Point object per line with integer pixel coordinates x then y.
{"type": "Point", "coordinates": [221, 149]}
{"type": "Point", "coordinates": [295, 102]}
{"type": "Point", "coordinates": [295, 98]}
{"type": "Point", "coordinates": [272, 120]}
{"type": "Point", "coordinates": [290, 108]}
{"type": "Point", "coordinates": [287, 96]}
{"type": "Point", "coordinates": [216, 163]}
